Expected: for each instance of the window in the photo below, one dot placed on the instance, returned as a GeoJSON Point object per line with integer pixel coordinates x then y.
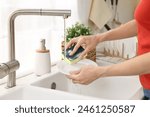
{"type": "Point", "coordinates": [30, 29]}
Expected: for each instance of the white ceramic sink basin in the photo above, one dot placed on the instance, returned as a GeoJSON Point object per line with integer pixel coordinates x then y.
{"type": "Point", "coordinates": [56, 81]}
{"type": "Point", "coordinates": [105, 88]}
{"type": "Point", "coordinates": [36, 93]}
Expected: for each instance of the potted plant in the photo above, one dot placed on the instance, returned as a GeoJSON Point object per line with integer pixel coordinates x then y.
{"type": "Point", "coordinates": [79, 30]}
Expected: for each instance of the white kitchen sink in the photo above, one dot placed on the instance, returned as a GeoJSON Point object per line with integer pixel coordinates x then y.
{"type": "Point", "coordinates": [36, 93]}
{"type": "Point", "coordinates": [55, 81]}
{"type": "Point", "coordinates": [127, 87]}
{"type": "Point", "coordinates": [56, 86]}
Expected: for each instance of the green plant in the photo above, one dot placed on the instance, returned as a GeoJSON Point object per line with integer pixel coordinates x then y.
{"type": "Point", "coordinates": [77, 30]}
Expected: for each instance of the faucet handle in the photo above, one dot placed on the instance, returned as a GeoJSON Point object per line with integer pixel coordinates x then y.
{"type": "Point", "coordinates": [3, 70]}
{"type": "Point", "coordinates": [6, 68]}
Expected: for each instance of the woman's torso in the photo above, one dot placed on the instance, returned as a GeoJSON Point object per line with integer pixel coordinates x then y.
{"type": "Point", "coordinates": [142, 16]}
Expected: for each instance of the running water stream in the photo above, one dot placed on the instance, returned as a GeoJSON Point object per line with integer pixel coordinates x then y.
{"type": "Point", "coordinates": [64, 36]}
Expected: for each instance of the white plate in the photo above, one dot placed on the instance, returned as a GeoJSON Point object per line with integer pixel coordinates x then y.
{"type": "Point", "coordinates": [66, 68]}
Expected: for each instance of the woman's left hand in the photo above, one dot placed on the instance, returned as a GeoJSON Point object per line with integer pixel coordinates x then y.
{"type": "Point", "coordinates": [85, 75]}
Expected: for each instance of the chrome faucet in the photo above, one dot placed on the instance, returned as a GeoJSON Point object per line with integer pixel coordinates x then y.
{"type": "Point", "coordinates": [10, 67]}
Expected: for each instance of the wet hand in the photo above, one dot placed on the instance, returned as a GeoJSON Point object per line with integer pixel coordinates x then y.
{"type": "Point", "coordinates": [87, 42]}
{"type": "Point", "coordinates": [85, 75]}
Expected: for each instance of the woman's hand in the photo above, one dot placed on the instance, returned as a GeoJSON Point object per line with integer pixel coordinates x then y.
{"type": "Point", "coordinates": [87, 42]}
{"type": "Point", "coordinates": [87, 74]}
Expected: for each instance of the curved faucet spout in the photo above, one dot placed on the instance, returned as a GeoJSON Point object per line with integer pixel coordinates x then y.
{"type": "Point", "coordinates": [43, 12]}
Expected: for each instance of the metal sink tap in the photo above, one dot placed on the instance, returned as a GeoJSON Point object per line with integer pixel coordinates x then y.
{"type": "Point", "coordinates": [10, 67]}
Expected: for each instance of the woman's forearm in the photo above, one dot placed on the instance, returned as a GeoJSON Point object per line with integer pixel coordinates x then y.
{"type": "Point", "coordinates": [124, 31]}
{"type": "Point", "coordinates": [135, 66]}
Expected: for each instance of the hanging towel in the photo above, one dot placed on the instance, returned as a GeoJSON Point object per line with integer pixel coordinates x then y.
{"type": "Point", "coordinates": [100, 13]}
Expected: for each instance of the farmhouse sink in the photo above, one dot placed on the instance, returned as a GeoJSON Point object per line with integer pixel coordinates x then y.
{"type": "Point", "coordinates": [121, 87]}
{"type": "Point", "coordinates": [56, 86]}
{"type": "Point", "coordinates": [35, 93]}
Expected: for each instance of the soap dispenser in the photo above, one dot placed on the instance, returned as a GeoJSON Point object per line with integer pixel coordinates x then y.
{"type": "Point", "coordinates": [42, 60]}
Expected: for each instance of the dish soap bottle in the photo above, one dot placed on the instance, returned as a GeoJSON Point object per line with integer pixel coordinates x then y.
{"type": "Point", "coordinates": [42, 60]}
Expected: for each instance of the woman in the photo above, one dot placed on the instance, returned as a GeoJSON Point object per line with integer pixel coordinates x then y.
{"type": "Point", "coordinates": [139, 65]}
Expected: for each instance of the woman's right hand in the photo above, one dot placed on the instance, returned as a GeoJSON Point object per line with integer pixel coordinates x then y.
{"type": "Point", "coordinates": [87, 42]}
